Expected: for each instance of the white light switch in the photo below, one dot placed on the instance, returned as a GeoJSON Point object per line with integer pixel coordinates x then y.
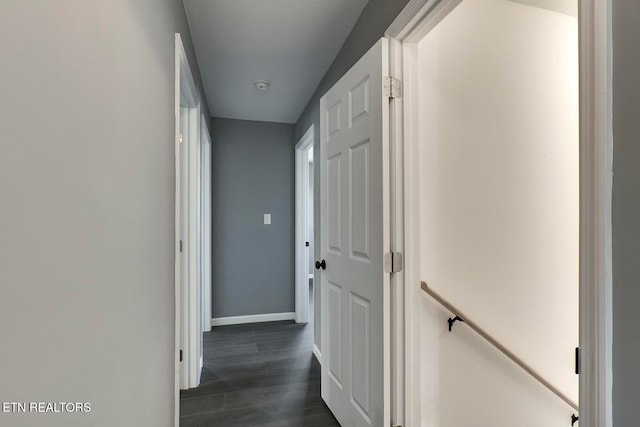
{"type": "Point", "coordinates": [267, 219]}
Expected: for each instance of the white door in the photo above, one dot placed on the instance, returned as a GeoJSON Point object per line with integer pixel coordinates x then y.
{"type": "Point", "coordinates": [354, 117]}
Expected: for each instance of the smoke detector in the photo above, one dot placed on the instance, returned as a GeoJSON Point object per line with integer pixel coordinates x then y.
{"type": "Point", "coordinates": [261, 84]}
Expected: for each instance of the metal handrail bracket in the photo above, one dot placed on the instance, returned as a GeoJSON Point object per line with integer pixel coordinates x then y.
{"type": "Point", "coordinates": [515, 359]}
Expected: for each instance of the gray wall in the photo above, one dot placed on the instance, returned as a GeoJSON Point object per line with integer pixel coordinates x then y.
{"type": "Point", "coordinates": [252, 174]}
{"type": "Point", "coordinates": [626, 212]}
{"type": "Point", "coordinates": [86, 223]}
{"type": "Point", "coordinates": [370, 27]}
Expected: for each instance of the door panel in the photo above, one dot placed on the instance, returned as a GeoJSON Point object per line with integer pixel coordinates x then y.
{"type": "Point", "coordinates": [359, 201]}
{"type": "Point", "coordinates": [354, 127]}
{"type": "Point", "coordinates": [334, 166]}
{"type": "Point", "coordinates": [360, 354]}
{"type": "Point", "coordinates": [334, 305]}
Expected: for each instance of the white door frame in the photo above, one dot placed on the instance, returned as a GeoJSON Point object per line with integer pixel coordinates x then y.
{"type": "Point", "coordinates": [188, 262]}
{"type": "Point", "coordinates": [596, 149]}
{"type": "Point", "coordinates": [205, 240]}
{"type": "Point", "coordinates": [190, 325]}
{"type": "Point", "coordinates": [302, 226]}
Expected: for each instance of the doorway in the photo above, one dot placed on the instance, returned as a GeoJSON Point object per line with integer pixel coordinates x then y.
{"type": "Point", "coordinates": [304, 230]}
{"type": "Point", "coordinates": [499, 205]}
{"type": "Point", "coordinates": [192, 228]}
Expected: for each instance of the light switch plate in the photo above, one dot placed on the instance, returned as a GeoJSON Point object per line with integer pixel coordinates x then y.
{"type": "Point", "coordinates": [267, 219]}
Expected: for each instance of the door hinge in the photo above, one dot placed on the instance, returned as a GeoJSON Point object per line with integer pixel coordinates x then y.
{"type": "Point", "coordinates": [180, 138]}
{"type": "Point", "coordinates": [392, 87]}
{"type": "Point", "coordinates": [180, 245]}
{"type": "Point", "coordinates": [392, 262]}
{"type": "Point", "coordinates": [577, 360]}
{"type": "Point", "coordinates": [181, 355]}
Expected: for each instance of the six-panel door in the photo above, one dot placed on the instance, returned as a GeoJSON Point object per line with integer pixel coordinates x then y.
{"type": "Point", "coordinates": [354, 118]}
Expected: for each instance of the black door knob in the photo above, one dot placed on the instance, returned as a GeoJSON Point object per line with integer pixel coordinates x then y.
{"type": "Point", "coordinates": [321, 265]}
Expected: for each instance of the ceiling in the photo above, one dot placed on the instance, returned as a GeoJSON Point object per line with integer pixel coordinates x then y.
{"type": "Point", "coordinates": [289, 43]}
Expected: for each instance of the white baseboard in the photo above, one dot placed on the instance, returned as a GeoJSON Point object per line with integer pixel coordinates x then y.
{"type": "Point", "coordinates": [316, 353]}
{"type": "Point", "coordinates": [252, 318]}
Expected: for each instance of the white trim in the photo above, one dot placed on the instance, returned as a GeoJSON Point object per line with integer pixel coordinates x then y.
{"type": "Point", "coordinates": [418, 18]}
{"type": "Point", "coordinates": [595, 206]}
{"type": "Point", "coordinates": [187, 280]}
{"type": "Point", "coordinates": [407, 19]}
{"type": "Point", "coordinates": [596, 158]}
{"type": "Point", "coordinates": [205, 141]}
{"type": "Point", "coordinates": [252, 318]}
{"type": "Point", "coordinates": [302, 225]}
{"type": "Point", "coordinates": [191, 353]}
{"type": "Point", "coordinates": [317, 354]}
{"type": "Point", "coordinates": [396, 242]}
{"type": "Point", "coordinates": [176, 267]}
{"type": "Point", "coordinates": [409, 172]}
{"type": "Point", "coordinates": [387, 207]}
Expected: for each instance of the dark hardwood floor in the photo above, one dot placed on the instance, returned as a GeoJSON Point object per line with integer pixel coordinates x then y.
{"type": "Point", "coordinates": [261, 374]}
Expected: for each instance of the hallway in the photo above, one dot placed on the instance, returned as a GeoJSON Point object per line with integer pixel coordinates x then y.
{"type": "Point", "coordinates": [258, 374]}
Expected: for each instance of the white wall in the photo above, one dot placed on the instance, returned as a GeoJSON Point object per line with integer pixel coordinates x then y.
{"type": "Point", "coordinates": [499, 211]}
{"type": "Point", "coordinates": [87, 213]}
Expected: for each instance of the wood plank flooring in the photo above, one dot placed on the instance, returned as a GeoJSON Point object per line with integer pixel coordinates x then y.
{"type": "Point", "coordinates": [261, 374]}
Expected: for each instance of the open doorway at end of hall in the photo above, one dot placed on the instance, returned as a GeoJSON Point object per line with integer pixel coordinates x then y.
{"type": "Point", "coordinates": [306, 292]}
{"type": "Point", "coordinates": [310, 238]}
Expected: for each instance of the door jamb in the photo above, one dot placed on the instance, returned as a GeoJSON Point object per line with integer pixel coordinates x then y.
{"type": "Point", "coordinates": [301, 225]}
{"type": "Point", "coordinates": [205, 159]}
{"type": "Point", "coordinates": [596, 154]}
{"type": "Point", "coordinates": [185, 92]}
{"type": "Point", "coordinates": [596, 173]}
{"type": "Point", "coordinates": [398, 306]}
{"type": "Point", "coordinates": [192, 355]}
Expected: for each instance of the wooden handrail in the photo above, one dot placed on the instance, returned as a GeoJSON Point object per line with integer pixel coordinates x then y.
{"type": "Point", "coordinates": [515, 359]}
